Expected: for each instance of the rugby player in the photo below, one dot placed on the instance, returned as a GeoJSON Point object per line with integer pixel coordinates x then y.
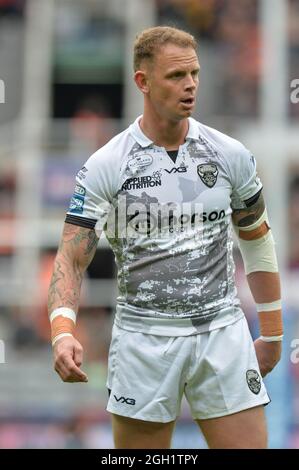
{"type": "Point", "coordinates": [168, 191]}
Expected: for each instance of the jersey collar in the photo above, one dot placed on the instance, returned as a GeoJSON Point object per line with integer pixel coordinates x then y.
{"type": "Point", "coordinates": [144, 141]}
{"type": "Point", "coordinates": [193, 131]}
{"type": "Point", "coordinates": [139, 136]}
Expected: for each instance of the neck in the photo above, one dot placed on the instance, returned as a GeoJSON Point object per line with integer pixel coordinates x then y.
{"type": "Point", "coordinates": [163, 132]}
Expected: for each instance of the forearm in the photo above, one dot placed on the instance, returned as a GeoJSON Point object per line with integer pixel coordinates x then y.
{"type": "Point", "coordinates": [65, 285]}
{"type": "Point", "coordinates": [264, 286]}
{"type": "Point", "coordinates": [258, 252]}
{"type": "Point", "coordinates": [76, 251]}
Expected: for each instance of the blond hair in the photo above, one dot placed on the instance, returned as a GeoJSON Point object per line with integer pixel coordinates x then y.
{"type": "Point", "coordinates": [149, 42]}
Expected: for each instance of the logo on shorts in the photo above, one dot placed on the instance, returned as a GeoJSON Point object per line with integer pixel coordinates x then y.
{"type": "Point", "coordinates": [253, 381]}
{"type": "Point", "coordinates": [127, 401]}
{"type": "Point", "coordinates": [208, 173]}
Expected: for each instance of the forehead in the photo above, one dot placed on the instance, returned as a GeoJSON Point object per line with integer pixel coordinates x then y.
{"type": "Point", "coordinates": [171, 56]}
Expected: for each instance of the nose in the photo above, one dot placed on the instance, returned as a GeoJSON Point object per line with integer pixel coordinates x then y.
{"type": "Point", "coordinates": [190, 83]}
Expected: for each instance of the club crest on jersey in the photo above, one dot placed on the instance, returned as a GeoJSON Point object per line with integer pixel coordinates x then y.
{"type": "Point", "coordinates": [208, 173]}
{"type": "Point", "coordinates": [253, 381]}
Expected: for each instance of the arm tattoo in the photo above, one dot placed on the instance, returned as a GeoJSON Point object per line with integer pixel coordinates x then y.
{"type": "Point", "coordinates": [76, 250]}
{"type": "Point", "coordinates": [249, 215]}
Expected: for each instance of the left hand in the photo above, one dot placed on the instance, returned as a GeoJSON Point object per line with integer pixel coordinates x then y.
{"type": "Point", "coordinates": [268, 355]}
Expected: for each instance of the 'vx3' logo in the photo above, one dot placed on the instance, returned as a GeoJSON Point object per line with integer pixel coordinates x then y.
{"type": "Point", "coordinates": [128, 401]}
{"type": "Point", "coordinates": [180, 169]}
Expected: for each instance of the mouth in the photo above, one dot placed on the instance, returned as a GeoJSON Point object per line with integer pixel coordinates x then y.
{"type": "Point", "coordinates": [188, 102]}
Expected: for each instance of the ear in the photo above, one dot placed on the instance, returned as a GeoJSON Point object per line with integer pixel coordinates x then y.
{"type": "Point", "coordinates": [141, 80]}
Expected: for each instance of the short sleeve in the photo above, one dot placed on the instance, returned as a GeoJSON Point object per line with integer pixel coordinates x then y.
{"type": "Point", "coordinates": [246, 182]}
{"type": "Point", "coordinates": [90, 204]}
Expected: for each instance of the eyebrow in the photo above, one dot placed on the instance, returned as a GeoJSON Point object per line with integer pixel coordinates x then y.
{"type": "Point", "coordinates": [181, 71]}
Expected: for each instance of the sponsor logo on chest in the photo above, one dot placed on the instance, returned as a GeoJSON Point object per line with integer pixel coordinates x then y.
{"type": "Point", "coordinates": [142, 182]}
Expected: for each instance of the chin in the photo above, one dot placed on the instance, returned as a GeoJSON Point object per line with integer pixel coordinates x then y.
{"type": "Point", "coordinates": [182, 115]}
{"type": "Point", "coordinates": [188, 113]}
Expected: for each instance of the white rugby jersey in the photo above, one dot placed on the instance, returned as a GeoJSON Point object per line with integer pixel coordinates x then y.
{"type": "Point", "coordinates": [169, 226]}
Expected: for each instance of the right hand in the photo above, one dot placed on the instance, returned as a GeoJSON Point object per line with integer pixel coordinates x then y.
{"type": "Point", "coordinates": [68, 357]}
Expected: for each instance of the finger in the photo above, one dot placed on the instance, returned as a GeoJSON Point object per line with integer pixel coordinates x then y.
{"type": "Point", "coordinates": [78, 356]}
{"type": "Point", "coordinates": [67, 376]}
{"type": "Point", "coordinates": [69, 371]}
{"type": "Point", "coordinates": [61, 371]}
{"type": "Point", "coordinates": [73, 370]}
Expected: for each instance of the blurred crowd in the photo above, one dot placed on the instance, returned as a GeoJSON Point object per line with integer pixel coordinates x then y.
{"type": "Point", "coordinates": [12, 7]}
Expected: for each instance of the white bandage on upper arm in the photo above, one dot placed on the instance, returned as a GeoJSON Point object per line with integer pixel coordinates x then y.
{"type": "Point", "coordinates": [258, 253]}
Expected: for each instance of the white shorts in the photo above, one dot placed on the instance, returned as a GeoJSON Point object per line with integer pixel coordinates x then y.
{"type": "Point", "coordinates": [217, 371]}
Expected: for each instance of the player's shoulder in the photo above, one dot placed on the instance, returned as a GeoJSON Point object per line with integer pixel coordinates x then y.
{"type": "Point", "coordinates": [114, 151]}
{"type": "Point", "coordinates": [226, 145]}
{"type": "Point", "coordinates": [238, 160]}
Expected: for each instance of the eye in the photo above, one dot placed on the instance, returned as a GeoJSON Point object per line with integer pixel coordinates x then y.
{"type": "Point", "coordinates": [176, 75]}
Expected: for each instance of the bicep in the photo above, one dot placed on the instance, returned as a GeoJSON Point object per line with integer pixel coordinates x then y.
{"type": "Point", "coordinates": [78, 244]}
{"type": "Point", "coordinates": [247, 216]}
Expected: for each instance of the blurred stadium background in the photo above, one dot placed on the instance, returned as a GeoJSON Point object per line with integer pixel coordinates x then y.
{"type": "Point", "coordinates": [65, 88]}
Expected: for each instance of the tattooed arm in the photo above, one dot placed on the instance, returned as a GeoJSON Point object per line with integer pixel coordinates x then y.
{"type": "Point", "coordinates": [264, 284]}
{"type": "Point", "coordinates": [250, 214]}
{"type": "Point", "coordinates": [76, 250]}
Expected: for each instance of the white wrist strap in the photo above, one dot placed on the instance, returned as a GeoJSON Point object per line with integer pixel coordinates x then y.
{"type": "Point", "coordinates": [269, 306]}
{"type": "Point", "coordinates": [270, 339]}
{"type": "Point", "coordinates": [64, 312]}
{"type": "Point", "coordinates": [60, 336]}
